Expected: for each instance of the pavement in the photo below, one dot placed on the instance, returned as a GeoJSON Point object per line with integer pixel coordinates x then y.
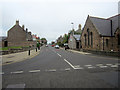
{"type": "Point", "coordinates": [58, 68]}
{"type": "Point", "coordinates": [17, 57]}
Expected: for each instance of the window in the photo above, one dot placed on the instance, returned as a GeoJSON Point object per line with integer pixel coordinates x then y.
{"type": "Point", "coordinates": [118, 39]}
{"type": "Point", "coordinates": [91, 38]}
{"type": "Point", "coordinates": [88, 37]}
{"type": "Point", "coordinates": [106, 42]}
{"type": "Point", "coordinates": [85, 38]}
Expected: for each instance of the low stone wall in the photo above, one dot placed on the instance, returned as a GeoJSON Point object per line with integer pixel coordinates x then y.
{"type": "Point", "coordinates": [106, 53]}
{"type": "Point", "coordinates": [16, 50]}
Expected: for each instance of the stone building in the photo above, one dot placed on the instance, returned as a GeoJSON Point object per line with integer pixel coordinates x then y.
{"type": "Point", "coordinates": [101, 34]}
{"type": "Point", "coordinates": [19, 36]}
{"type": "Point", "coordinates": [74, 42]}
{"type": "Point", "coordinates": [3, 41]}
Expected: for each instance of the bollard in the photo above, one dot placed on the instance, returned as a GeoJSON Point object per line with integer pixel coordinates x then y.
{"type": "Point", "coordinates": [29, 52]}
{"type": "Point", "coordinates": [36, 49]}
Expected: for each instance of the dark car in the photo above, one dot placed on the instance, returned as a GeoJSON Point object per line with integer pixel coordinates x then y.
{"type": "Point", "coordinates": [66, 47]}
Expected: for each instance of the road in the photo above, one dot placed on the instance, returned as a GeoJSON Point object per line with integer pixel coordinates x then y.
{"type": "Point", "coordinates": [57, 68]}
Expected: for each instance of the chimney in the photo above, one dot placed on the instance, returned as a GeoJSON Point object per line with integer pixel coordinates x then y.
{"type": "Point", "coordinates": [17, 22]}
{"type": "Point", "coordinates": [23, 27]}
{"type": "Point", "coordinates": [79, 26]}
{"type": "Point", "coordinates": [26, 30]}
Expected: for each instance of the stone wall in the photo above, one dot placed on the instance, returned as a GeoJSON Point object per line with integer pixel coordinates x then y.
{"type": "Point", "coordinates": [26, 43]}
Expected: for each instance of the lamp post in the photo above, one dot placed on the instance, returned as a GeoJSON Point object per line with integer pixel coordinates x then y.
{"type": "Point", "coordinates": [72, 32]}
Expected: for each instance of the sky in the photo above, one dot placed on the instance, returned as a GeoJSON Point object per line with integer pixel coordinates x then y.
{"type": "Point", "coordinates": [51, 18]}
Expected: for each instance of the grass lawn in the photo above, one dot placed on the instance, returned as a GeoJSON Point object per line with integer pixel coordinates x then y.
{"type": "Point", "coordinates": [14, 47]}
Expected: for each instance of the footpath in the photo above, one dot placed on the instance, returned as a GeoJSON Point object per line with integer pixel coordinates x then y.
{"type": "Point", "coordinates": [17, 57]}
{"type": "Point", "coordinates": [75, 51]}
{"type": "Point", "coordinates": [91, 55]}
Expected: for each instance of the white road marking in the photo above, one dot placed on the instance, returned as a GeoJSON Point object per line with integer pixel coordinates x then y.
{"type": "Point", "coordinates": [114, 66]}
{"type": "Point", "coordinates": [109, 64]}
{"type": "Point", "coordinates": [78, 68]}
{"type": "Point", "coordinates": [17, 72]}
{"type": "Point", "coordinates": [1, 73]}
{"type": "Point", "coordinates": [88, 65]}
{"type": "Point", "coordinates": [22, 86]}
{"type": "Point", "coordinates": [58, 54]}
{"type": "Point", "coordinates": [69, 63]}
{"type": "Point", "coordinates": [103, 66]}
{"type": "Point", "coordinates": [34, 71]}
{"type": "Point", "coordinates": [52, 70]}
{"type": "Point", "coordinates": [67, 69]}
{"type": "Point", "coordinates": [99, 64]}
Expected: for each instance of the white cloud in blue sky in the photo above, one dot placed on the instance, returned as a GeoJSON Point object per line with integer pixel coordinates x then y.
{"type": "Point", "coordinates": [52, 18]}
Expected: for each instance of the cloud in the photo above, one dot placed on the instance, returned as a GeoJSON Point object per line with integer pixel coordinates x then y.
{"type": "Point", "coordinates": [52, 18]}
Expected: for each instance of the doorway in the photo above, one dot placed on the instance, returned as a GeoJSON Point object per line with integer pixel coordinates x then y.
{"type": "Point", "coordinates": [5, 43]}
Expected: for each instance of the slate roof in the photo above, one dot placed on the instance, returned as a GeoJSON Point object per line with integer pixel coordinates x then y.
{"type": "Point", "coordinates": [104, 25]}
{"type": "Point", "coordinates": [77, 37]}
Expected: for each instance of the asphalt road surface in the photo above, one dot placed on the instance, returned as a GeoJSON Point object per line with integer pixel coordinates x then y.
{"type": "Point", "coordinates": [57, 68]}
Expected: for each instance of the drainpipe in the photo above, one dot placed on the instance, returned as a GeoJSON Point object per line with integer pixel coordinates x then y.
{"type": "Point", "coordinates": [111, 34]}
{"type": "Point", "coordinates": [103, 43]}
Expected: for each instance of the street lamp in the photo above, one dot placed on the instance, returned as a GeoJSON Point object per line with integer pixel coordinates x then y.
{"type": "Point", "coordinates": [72, 32]}
{"type": "Point", "coordinates": [72, 25]}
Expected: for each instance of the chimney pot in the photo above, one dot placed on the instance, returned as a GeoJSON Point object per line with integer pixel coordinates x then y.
{"type": "Point", "coordinates": [17, 22]}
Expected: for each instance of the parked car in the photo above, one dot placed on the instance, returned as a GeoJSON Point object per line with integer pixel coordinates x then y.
{"type": "Point", "coordinates": [52, 45]}
{"type": "Point", "coordinates": [66, 46]}
{"type": "Point", "coordinates": [56, 46]}
{"type": "Point", "coordinates": [46, 45]}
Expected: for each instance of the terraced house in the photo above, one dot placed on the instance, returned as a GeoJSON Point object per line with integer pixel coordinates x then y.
{"type": "Point", "coordinates": [101, 34]}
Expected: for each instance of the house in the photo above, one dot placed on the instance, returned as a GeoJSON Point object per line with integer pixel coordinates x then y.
{"type": "Point", "coordinates": [74, 42]}
{"type": "Point", "coordinates": [19, 36]}
{"type": "Point", "coordinates": [3, 41]}
{"type": "Point", "coordinates": [100, 34]}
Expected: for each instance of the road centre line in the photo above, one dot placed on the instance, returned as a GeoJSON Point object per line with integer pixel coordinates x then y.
{"type": "Point", "coordinates": [34, 71]}
{"type": "Point", "coordinates": [58, 54]}
{"type": "Point", "coordinates": [17, 72]}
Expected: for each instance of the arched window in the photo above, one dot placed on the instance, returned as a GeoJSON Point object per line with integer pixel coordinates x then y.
{"type": "Point", "coordinates": [91, 38]}
{"type": "Point", "coordinates": [88, 37]}
{"type": "Point", "coordinates": [85, 38]}
{"type": "Point", "coordinates": [118, 39]}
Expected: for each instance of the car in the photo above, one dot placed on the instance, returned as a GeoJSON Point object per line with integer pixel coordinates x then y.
{"type": "Point", "coordinates": [66, 46]}
{"type": "Point", "coordinates": [57, 46]}
{"type": "Point", "coordinates": [46, 45]}
{"type": "Point", "coordinates": [52, 45]}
